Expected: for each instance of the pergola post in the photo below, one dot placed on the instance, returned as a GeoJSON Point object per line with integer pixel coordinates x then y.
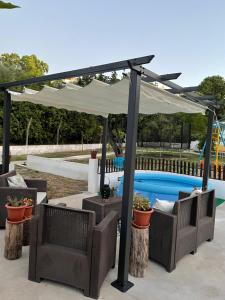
{"type": "Point", "coordinates": [104, 146]}
{"type": "Point", "coordinates": [6, 132]}
{"type": "Point", "coordinates": [208, 146]}
{"type": "Point", "coordinates": [122, 282]}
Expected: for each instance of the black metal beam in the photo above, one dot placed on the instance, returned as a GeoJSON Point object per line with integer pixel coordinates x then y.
{"type": "Point", "coordinates": [163, 77]}
{"type": "Point", "coordinates": [208, 146]}
{"type": "Point", "coordinates": [104, 149]}
{"type": "Point", "coordinates": [122, 282]}
{"type": "Point", "coordinates": [120, 65]}
{"type": "Point", "coordinates": [6, 132]}
{"type": "Point", "coordinates": [184, 89]}
{"type": "Point", "coordinates": [156, 77]}
{"type": "Point", "coordinates": [169, 83]}
{"type": "Point", "coordinates": [208, 101]}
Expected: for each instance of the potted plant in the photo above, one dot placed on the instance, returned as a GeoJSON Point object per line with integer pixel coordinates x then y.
{"type": "Point", "coordinates": [141, 211]}
{"type": "Point", "coordinates": [28, 202]}
{"type": "Point", "coordinates": [15, 209]}
{"type": "Point", "coordinates": [94, 154]}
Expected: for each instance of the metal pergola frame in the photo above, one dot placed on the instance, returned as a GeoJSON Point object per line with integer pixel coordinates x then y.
{"type": "Point", "coordinates": [137, 73]}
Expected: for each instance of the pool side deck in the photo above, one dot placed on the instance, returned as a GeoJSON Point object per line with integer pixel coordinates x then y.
{"type": "Point", "coordinates": [198, 277]}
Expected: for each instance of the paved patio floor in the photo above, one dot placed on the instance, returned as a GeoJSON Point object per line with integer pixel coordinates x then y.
{"type": "Point", "coordinates": [197, 277]}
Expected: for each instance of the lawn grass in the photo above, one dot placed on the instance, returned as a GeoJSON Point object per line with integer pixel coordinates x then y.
{"type": "Point", "coordinates": [58, 186]}
{"type": "Point", "coordinates": [52, 155]}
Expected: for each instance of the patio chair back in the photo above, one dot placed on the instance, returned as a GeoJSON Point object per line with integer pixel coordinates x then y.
{"type": "Point", "coordinates": [67, 227]}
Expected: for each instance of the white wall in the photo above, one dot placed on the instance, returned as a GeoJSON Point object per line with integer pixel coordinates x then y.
{"type": "Point", "coordinates": [57, 167]}
{"type": "Point", "coordinates": [39, 149]}
{"type": "Point", "coordinates": [93, 176]}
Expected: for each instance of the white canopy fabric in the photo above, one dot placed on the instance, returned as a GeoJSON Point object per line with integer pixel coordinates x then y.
{"type": "Point", "coordinates": [99, 98]}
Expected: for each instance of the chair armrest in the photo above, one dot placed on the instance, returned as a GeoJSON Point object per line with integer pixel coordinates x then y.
{"type": "Point", "coordinates": [103, 251]}
{"type": "Point", "coordinates": [40, 185]}
{"type": "Point", "coordinates": [163, 233]}
{"type": "Point", "coordinates": [33, 248]}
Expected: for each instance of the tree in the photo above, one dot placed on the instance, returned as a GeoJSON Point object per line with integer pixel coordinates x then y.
{"type": "Point", "coordinates": [23, 67]}
{"type": "Point", "coordinates": [7, 5]}
{"type": "Point", "coordinates": [215, 86]}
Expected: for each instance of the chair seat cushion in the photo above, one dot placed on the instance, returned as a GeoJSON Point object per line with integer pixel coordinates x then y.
{"type": "Point", "coordinates": [63, 264]}
{"type": "Point", "coordinates": [41, 196]}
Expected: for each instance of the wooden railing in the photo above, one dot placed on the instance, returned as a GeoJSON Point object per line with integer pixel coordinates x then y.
{"type": "Point", "coordinates": [168, 165]}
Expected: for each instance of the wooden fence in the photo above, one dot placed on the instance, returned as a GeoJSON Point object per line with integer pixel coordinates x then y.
{"type": "Point", "coordinates": [168, 165]}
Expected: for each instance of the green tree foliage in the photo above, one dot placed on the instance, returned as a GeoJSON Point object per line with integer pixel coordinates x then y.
{"type": "Point", "coordinates": [215, 86]}
{"type": "Point", "coordinates": [76, 127]}
{"type": "Point", "coordinates": [23, 67]}
{"type": "Point", "coordinates": [80, 127]}
{"type": "Point", "coordinates": [7, 5]}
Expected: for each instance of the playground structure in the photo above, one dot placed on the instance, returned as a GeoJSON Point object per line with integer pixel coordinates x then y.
{"type": "Point", "coordinates": [218, 144]}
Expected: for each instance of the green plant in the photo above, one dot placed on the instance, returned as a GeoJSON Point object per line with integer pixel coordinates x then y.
{"type": "Point", "coordinates": [141, 203]}
{"type": "Point", "coordinates": [14, 202]}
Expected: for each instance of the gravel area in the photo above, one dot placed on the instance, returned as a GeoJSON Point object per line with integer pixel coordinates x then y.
{"type": "Point", "coordinates": [57, 186]}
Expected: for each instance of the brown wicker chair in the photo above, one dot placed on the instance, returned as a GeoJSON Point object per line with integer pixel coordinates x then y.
{"type": "Point", "coordinates": [35, 189]}
{"type": "Point", "coordinates": [206, 215]}
{"type": "Point", "coordinates": [67, 247]}
{"type": "Point", "coordinates": [173, 235]}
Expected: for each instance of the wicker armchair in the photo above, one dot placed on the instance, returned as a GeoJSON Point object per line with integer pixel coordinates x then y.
{"type": "Point", "coordinates": [206, 215]}
{"type": "Point", "coordinates": [67, 246]}
{"type": "Point", "coordinates": [173, 235]}
{"type": "Point", "coordinates": [36, 190]}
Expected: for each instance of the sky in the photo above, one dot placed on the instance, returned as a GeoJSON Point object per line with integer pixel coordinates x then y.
{"type": "Point", "coordinates": [185, 36]}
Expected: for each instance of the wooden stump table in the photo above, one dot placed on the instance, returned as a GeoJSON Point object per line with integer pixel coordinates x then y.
{"type": "Point", "coordinates": [139, 251]}
{"type": "Point", "coordinates": [13, 240]}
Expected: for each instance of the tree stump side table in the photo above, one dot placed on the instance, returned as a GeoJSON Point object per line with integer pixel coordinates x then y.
{"type": "Point", "coordinates": [13, 240]}
{"type": "Point", "coordinates": [139, 251]}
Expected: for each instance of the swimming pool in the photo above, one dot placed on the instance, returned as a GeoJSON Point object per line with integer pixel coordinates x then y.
{"type": "Point", "coordinates": [163, 186]}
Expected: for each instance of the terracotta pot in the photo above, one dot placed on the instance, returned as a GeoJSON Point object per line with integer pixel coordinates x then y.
{"type": "Point", "coordinates": [15, 214]}
{"type": "Point", "coordinates": [28, 212]}
{"type": "Point", "coordinates": [94, 154]}
{"type": "Point", "coordinates": [142, 218]}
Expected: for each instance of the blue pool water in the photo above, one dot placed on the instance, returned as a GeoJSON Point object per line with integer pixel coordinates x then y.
{"type": "Point", "coordinates": [162, 186]}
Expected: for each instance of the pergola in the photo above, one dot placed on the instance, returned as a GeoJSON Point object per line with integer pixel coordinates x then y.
{"type": "Point", "coordinates": [132, 94]}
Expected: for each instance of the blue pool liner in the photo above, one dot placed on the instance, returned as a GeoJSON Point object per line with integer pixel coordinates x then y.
{"type": "Point", "coordinates": [162, 186]}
